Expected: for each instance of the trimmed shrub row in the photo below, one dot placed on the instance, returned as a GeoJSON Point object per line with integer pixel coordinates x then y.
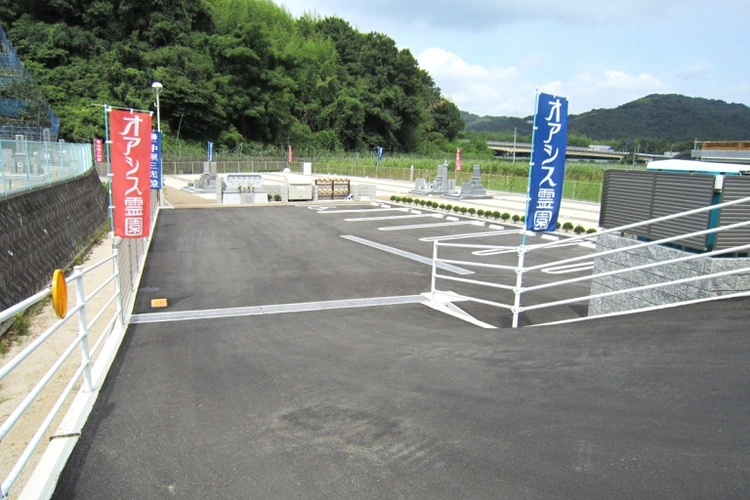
{"type": "Point", "coordinates": [488, 214]}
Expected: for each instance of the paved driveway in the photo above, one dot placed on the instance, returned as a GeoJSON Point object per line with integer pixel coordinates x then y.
{"type": "Point", "coordinates": [397, 400]}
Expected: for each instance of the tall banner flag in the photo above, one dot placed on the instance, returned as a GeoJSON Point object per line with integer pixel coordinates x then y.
{"type": "Point", "coordinates": [380, 154]}
{"type": "Point", "coordinates": [130, 134]}
{"type": "Point", "coordinates": [156, 160]}
{"type": "Point", "coordinates": [210, 151]}
{"type": "Point", "coordinates": [547, 163]}
{"type": "Point", "coordinates": [458, 159]}
{"type": "Point", "coordinates": [291, 154]}
{"type": "Point", "coordinates": [98, 150]}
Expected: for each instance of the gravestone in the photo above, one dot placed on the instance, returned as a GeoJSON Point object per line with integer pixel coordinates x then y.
{"type": "Point", "coordinates": [472, 190]}
{"type": "Point", "coordinates": [440, 185]}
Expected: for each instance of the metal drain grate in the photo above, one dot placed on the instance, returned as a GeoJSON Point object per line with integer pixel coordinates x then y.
{"type": "Point", "coordinates": [236, 312]}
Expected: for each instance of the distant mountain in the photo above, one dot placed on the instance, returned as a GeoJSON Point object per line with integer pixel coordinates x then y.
{"type": "Point", "coordinates": [669, 117]}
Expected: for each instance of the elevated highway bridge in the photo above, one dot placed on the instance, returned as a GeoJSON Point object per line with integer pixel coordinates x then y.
{"type": "Point", "coordinates": [519, 149]}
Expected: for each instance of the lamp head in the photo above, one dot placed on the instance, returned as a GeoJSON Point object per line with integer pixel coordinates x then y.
{"type": "Point", "coordinates": [157, 87]}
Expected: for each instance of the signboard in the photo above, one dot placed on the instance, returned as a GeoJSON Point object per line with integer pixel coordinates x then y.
{"type": "Point", "coordinates": [547, 163]}
{"type": "Point", "coordinates": [130, 134]}
{"type": "Point", "coordinates": [98, 150]}
{"type": "Point", "coordinates": [458, 159]}
{"type": "Point", "coordinates": [156, 182]}
{"type": "Point", "coordinates": [210, 151]}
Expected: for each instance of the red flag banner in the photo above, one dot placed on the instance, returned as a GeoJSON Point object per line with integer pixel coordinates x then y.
{"type": "Point", "coordinates": [98, 150]}
{"type": "Point", "coordinates": [291, 155]}
{"type": "Point", "coordinates": [130, 134]}
{"type": "Point", "coordinates": [458, 159]}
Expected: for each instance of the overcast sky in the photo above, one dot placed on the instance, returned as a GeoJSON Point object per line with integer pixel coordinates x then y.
{"type": "Point", "coordinates": [489, 56]}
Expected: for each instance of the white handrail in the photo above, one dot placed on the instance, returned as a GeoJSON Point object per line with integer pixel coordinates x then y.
{"type": "Point", "coordinates": [80, 341]}
{"type": "Point", "coordinates": [644, 244]}
{"type": "Point", "coordinates": [522, 250]}
{"type": "Point", "coordinates": [630, 290]}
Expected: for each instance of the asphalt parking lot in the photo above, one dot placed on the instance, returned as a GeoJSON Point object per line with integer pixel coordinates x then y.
{"type": "Point", "coordinates": [389, 399]}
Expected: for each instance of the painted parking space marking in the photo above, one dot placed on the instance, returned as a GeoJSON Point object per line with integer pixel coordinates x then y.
{"type": "Point", "coordinates": [578, 267]}
{"type": "Point", "coordinates": [394, 217]}
{"type": "Point", "coordinates": [408, 255]}
{"type": "Point", "coordinates": [360, 210]}
{"type": "Point", "coordinates": [424, 226]}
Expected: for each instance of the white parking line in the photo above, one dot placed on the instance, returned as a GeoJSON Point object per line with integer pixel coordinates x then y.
{"type": "Point", "coordinates": [424, 226]}
{"type": "Point", "coordinates": [394, 217]}
{"type": "Point", "coordinates": [408, 255]}
{"type": "Point", "coordinates": [360, 210]}
{"type": "Point", "coordinates": [578, 267]}
{"type": "Point", "coordinates": [464, 235]}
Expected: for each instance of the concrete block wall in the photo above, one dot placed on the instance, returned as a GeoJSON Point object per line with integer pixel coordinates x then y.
{"type": "Point", "coordinates": [364, 192]}
{"type": "Point", "coordinates": [668, 294]}
{"type": "Point", "coordinates": [43, 230]}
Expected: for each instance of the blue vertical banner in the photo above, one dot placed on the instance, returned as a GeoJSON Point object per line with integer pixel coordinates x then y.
{"type": "Point", "coordinates": [547, 166]}
{"type": "Point", "coordinates": [210, 149]}
{"type": "Point", "coordinates": [156, 182]}
{"type": "Point", "coordinates": [380, 154]}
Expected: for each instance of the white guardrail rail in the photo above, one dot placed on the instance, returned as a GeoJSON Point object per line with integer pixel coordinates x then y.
{"type": "Point", "coordinates": [108, 305]}
{"type": "Point", "coordinates": [516, 285]}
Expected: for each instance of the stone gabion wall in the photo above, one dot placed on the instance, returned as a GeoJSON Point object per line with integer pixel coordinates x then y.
{"type": "Point", "coordinates": [43, 230]}
{"type": "Point", "coordinates": [669, 294]}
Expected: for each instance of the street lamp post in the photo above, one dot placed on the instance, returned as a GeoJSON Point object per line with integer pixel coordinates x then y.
{"type": "Point", "coordinates": [157, 88]}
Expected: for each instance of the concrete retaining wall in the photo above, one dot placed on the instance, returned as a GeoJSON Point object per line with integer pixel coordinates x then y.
{"type": "Point", "coordinates": [43, 230]}
{"type": "Point", "coordinates": [664, 295]}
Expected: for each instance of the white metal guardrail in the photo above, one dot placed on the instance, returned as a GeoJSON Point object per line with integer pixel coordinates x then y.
{"type": "Point", "coordinates": [109, 304]}
{"type": "Point", "coordinates": [522, 271]}
{"type": "Point", "coordinates": [81, 341]}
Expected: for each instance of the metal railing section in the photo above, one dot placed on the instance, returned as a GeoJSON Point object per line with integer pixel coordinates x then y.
{"type": "Point", "coordinates": [26, 165]}
{"type": "Point", "coordinates": [522, 271]}
{"type": "Point", "coordinates": [81, 342]}
{"type": "Point", "coordinates": [115, 296]}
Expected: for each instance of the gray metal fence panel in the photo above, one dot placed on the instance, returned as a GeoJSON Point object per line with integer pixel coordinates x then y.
{"type": "Point", "coordinates": [626, 198]}
{"type": "Point", "coordinates": [636, 196]}
{"type": "Point", "coordinates": [675, 193]}
{"type": "Point", "coordinates": [735, 187]}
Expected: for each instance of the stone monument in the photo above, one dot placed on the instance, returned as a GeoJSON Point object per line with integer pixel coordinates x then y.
{"type": "Point", "coordinates": [440, 185]}
{"type": "Point", "coordinates": [207, 181]}
{"type": "Point", "coordinates": [471, 190]}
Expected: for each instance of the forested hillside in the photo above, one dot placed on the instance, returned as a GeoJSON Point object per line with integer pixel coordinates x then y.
{"type": "Point", "coordinates": [655, 123]}
{"type": "Point", "coordinates": [234, 71]}
{"type": "Point", "coordinates": [669, 117]}
{"type": "Point", "coordinates": [501, 124]}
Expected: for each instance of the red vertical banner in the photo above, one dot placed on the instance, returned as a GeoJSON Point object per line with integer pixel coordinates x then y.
{"type": "Point", "coordinates": [458, 159]}
{"type": "Point", "coordinates": [291, 155]}
{"type": "Point", "coordinates": [98, 150]}
{"type": "Point", "coordinates": [130, 134]}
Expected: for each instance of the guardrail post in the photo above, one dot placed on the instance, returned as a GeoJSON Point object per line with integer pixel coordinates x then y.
{"type": "Point", "coordinates": [518, 290]}
{"type": "Point", "coordinates": [83, 329]}
{"type": "Point", "coordinates": [2, 169]}
{"type": "Point", "coordinates": [28, 164]}
{"type": "Point", "coordinates": [118, 293]}
{"type": "Point", "coordinates": [434, 271]}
